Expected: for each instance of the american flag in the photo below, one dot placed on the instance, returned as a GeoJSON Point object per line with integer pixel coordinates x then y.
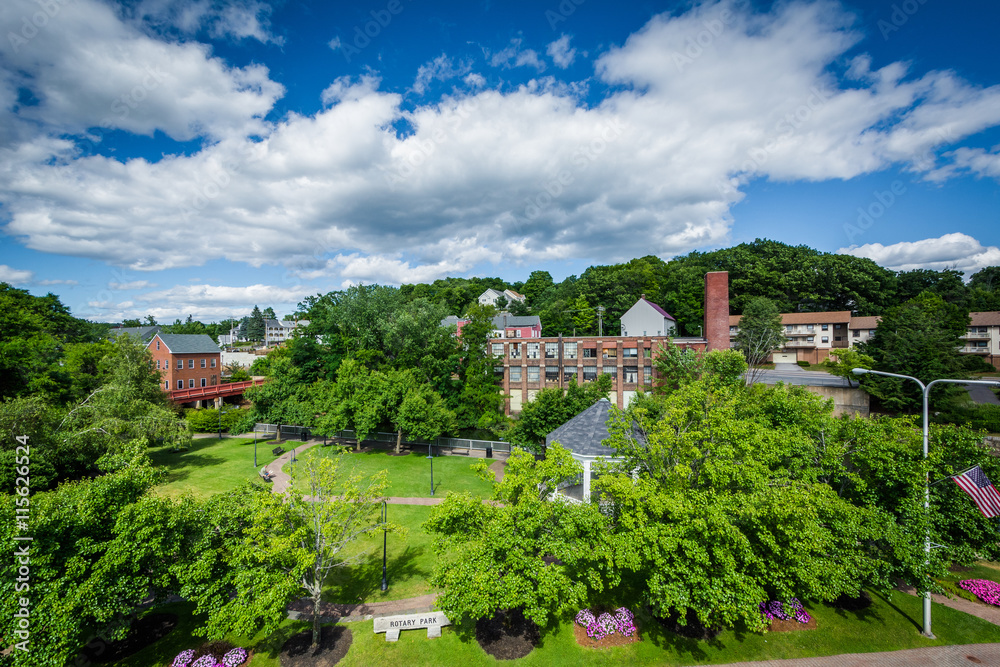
{"type": "Point", "coordinates": [975, 483]}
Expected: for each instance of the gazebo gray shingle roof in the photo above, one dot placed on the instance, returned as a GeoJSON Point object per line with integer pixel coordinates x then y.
{"type": "Point", "coordinates": [583, 433]}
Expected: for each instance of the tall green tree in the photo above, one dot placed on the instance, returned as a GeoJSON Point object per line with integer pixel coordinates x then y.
{"type": "Point", "coordinates": [480, 403]}
{"type": "Point", "coordinates": [255, 329]}
{"type": "Point", "coordinates": [583, 317]}
{"type": "Point", "coordinates": [761, 332]}
{"type": "Point", "coordinates": [919, 338]}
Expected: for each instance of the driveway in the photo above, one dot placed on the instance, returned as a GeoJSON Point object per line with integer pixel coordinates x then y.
{"type": "Point", "coordinates": [982, 394]}
{"type": "Point", "coordinates": [795, 374]}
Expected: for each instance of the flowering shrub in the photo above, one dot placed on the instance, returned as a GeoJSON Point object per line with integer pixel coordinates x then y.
{"type": "Point", "coordinates": [606, 624]}
{"type": "Point", "coordinates": [183, 658]}
{"type": "Point", "coordinates": [625, 622]}
{"type": "Point", "coordinates": [205, 661]}
{"type": "Point", "coordinates": [775, 610]}
{"type": "Point", "coordinates": [235, 657]}
{"type": "Point", "coordinates": [984, 589]}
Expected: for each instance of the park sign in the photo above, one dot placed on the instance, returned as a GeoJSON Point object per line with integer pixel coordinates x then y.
{"type": "Point", "coordinates": [391, 625]}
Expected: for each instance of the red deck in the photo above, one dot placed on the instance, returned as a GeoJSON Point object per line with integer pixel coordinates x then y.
{"type": "Point", "coordinates": [202, 393]}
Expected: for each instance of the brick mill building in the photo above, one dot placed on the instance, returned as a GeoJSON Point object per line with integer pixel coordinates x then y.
{"type": "Point", "coordinates": [530, 364]}
{"type": "Point", "coordinates": [186, 361]}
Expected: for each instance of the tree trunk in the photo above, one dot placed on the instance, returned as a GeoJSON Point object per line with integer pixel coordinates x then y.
{"type": "Point", "coordinates": [399, 440]}
{"type": "Point", "coordinates": [316, 630]}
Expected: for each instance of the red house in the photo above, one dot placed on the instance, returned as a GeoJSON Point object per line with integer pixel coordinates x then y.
{"type": "Point", "coordinates": [186, 361]}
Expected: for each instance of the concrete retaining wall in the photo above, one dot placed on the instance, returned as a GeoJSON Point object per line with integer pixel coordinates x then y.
{"type": "Point", "coordinates": [845, 401]}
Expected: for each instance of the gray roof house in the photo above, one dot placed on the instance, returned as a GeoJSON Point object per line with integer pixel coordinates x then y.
{"type": "Point", "coordinates": [645, 318]}
{"type": "Point", "coordinates": [145, 334]}
{"type": "Point", "coordinates": [189, 343]}
{"type": "Point", "coordinates": [583, 436]}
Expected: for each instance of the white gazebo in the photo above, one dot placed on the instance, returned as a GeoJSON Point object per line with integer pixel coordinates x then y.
{"type": "Point", "coordinates": [583, 436]}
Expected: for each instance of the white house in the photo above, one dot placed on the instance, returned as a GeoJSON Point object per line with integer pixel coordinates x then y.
{"type": "Point", "coordinates": [645, 318]}
{"type": "Point", "coordinates": [278, 331]}
{"type": "Point", "coordinates": [490, 296]}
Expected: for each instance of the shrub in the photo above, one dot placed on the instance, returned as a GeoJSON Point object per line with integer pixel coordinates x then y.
{"type": "Point", "coordinates": [206, 420]}
{"type": "Point", "coordinates": [986, 417]}
{"type": "Point", "coordinates": [776, 610]}
{"type": "Point", "coordinates": [235, 657]}
{"type": "Point", "coordinates": [183, 659]}
{"type": "Point", "coordinates": [599, 627]}
{"type": "Point", "coordinates": [803, 363]}
{"type": "Point", "coordinates": [984, 589]}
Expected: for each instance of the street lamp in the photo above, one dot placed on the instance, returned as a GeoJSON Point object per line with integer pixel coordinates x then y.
{"type": "Point", "coordinates": [925, 390]}
{"type": "Point", "coordinates": [385, 512]}
{"type": "Point", "coordinates": [431, 457]}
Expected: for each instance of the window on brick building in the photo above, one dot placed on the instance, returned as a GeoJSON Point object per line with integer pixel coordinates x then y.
{"type": "Point", "coordinates": [515, 350]}
{"type": "Point", "coordinates": [647, 375]}
{"type": "Point", "coordinates": [204, 382]}
{"type": "Point", "coordinates": [532, 350]}
{"type": "Point", "coordinates": [630, 353]}
{"type": "Point", "coordinates": [552, 374]}
{"type": "Point", "coordinates": [612, 371]}
{"type": "Point", "coordinates": [589, 373]}
{"type": "Point", "coordinates": [213, 363]}
{"type": "Point", "coordinates": [611, 353]}
{"type": "Point", "coordinates": [190, 363]}
{"type": "Point", "coordinates": [515, 374]}
{"type": "Point", "coordinates": [496, 349]}
{"type": "Point", "coordinates": [532, 373]}
{"type": "Point", "coordinates": [180, 363]}
{"type": "Point", "coordinates": [589, 353]}
{"type": "Point", "coordinates": [204, 363]}
{"type": "Point", "coordinates": [569, 350]}
{"type": "Point", "coordinates": [569, 373]}
{"type": "Point", "coordinates": [191, 383]}
{"type": "Point", "coordinates": [166, 384]}
{"type": "Point", "coordinates": [551, 350]}
{"type": "Point", "coordinates": [157, 345]}
{"type": "Point", "coordinates": [180, 384]}
{"type": "Point", "coordinates": [630, 374]}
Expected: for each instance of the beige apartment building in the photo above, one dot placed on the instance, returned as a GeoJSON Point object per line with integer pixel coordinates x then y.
{"type": "Point", "coordinates": [809, 336]}
{"type": "Point", "coordinates": [982, 338]}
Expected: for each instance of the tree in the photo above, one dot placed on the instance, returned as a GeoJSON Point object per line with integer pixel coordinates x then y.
{"type": "Point", "coordinates": [480, 403]}
{"type": "Point", "coordinates": [919, 338]}
{"type": "Point", "coordinates": [269, 313]}
{"type": "Point", "coordinates": [677, 367]}
{"type": "Point", "coordinates": [257, 552]}
{"type": "Point", "coordinates": [552, 408]}
{"type": "Point", "coordinates": [521, 551]}
{"type": "Point", "coordinates": [583, 316]}
{"type": "Point", "coordinates": [842, 362]}
{"type": "Point", "coordinates": [761, 332]}
{"type": "Point", "coordinates": [536, 286]}
{"type": "Point", "coordinates": [256, 329]}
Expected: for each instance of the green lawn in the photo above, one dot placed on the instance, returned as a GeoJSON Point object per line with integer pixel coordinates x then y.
{"type": "Point", "coordinates": [410, 474]}
{"type": "Point", "coordinates": [886, 626]}
{"type": "Point", "coordinates": [211, 466]}
{"type": "Point", "coordinates": [409, 563]}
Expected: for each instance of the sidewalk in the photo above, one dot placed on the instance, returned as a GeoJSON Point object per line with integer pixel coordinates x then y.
{"type": "Point", "coordinates": [932, 656]}
{"type": "Point", "coordinates": [363, 611]}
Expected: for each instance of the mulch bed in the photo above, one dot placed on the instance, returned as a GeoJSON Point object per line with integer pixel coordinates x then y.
{"type": "Point", "coordinates": [508, 635]}
{"type": "Point", "coordinates": [145, 631]}
{"type": "Point", "coordinates": [334, 642]}
{"type": "Point", "coordinates": [791, 625]}
{"type": "Point", "coordinates": [694, 629]}
{"type": "Point", "coordinates": [616, 639]}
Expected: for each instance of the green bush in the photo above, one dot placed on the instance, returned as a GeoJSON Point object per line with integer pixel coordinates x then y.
{"type": "Point", "coordinates": [803, 363]}
{"type": "Point", "coordinates": [986, 417]}
{"type": "Point", "coordinates": [206, 420]}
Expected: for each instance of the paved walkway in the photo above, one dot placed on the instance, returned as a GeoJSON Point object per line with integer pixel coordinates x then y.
{"type": "Point", "coordinates": [932, 656]}
{"type": "Point", "coordinates": [980, 393]}
{"type": "Point", "coordinates": [363, 611]}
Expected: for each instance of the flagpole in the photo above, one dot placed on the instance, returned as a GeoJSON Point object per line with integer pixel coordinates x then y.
{"type": "Point", "coordinates": [925, 390]}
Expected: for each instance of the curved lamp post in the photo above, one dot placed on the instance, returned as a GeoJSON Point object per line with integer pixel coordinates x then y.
{"type": "Point", "coordinates": [925, 390]}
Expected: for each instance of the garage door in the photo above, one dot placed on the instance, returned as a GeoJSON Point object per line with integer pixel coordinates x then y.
{"type": "Point", "coordinates": [784, 357]}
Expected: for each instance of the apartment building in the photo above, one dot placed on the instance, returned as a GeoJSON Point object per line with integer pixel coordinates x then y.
{"type": "Point", "coordinates": [863, 328]}
{"type": "Point", "coordinates": [982, 338]}
{"type": "Point", "coordinates": [278, 331]}
{"type": "Point", "coordinates": [186, 361]}
{"type": "Point", "coordinates": [809, 336]}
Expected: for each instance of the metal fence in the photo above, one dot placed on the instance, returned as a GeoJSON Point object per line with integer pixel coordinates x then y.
{"type": "Point", "coordinates": [453, 443]}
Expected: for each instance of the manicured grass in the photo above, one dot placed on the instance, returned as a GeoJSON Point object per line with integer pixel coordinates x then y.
{"type": "Point", "coordinates": [885, 626]}
{"type": "Point", "coordinates": [163, 652]}
{"type": "Point", "coordinates": [211, 465]}
{"type": "Point", "coordinates": [410, 474]}
{"type": "Point", "coordinates": [888, 625]}
{"type": "Point", "coordinates": [409, 562]}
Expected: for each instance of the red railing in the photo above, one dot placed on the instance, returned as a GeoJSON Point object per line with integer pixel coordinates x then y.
{"type": "Point", "coordinates": [214, 391]}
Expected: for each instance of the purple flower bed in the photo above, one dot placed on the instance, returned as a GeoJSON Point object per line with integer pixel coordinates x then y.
{"type": "Point", "coordinates": [984, 589]}
{"type": "Point", "coordinates": [205, 661]}
{"type": "Point", "coordinates": [622, 622]}
{"type": "Point", "coordinates": [776, 610]}
{"type": "Point", "coordinates": [183, 658]}
{"type": "Point", "coordinates": [234, 658]}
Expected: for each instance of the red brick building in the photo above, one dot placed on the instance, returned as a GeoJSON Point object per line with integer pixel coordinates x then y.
{"type": "Point", "coordinates": [186, 361]}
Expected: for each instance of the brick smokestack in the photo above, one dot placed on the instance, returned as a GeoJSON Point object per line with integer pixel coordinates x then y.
{"type": "Point", "coordinates": [717, 310]}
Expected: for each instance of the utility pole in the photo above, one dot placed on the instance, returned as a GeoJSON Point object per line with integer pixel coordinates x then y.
{"type": "Point", "coordinates": [600, 321]}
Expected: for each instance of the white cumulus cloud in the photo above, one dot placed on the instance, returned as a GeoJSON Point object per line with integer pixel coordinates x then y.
{"type": "Point", "coordinates": [561, 53]}
{"type": "Point", "coordinates": [951, 251]}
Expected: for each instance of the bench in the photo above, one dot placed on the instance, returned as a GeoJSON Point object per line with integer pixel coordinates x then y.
{"type": "Point", "coordinates": [278, 451]}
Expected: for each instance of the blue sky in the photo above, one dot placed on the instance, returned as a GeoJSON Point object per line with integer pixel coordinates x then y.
{"type": "Point", "coordinates": [175, 157]}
